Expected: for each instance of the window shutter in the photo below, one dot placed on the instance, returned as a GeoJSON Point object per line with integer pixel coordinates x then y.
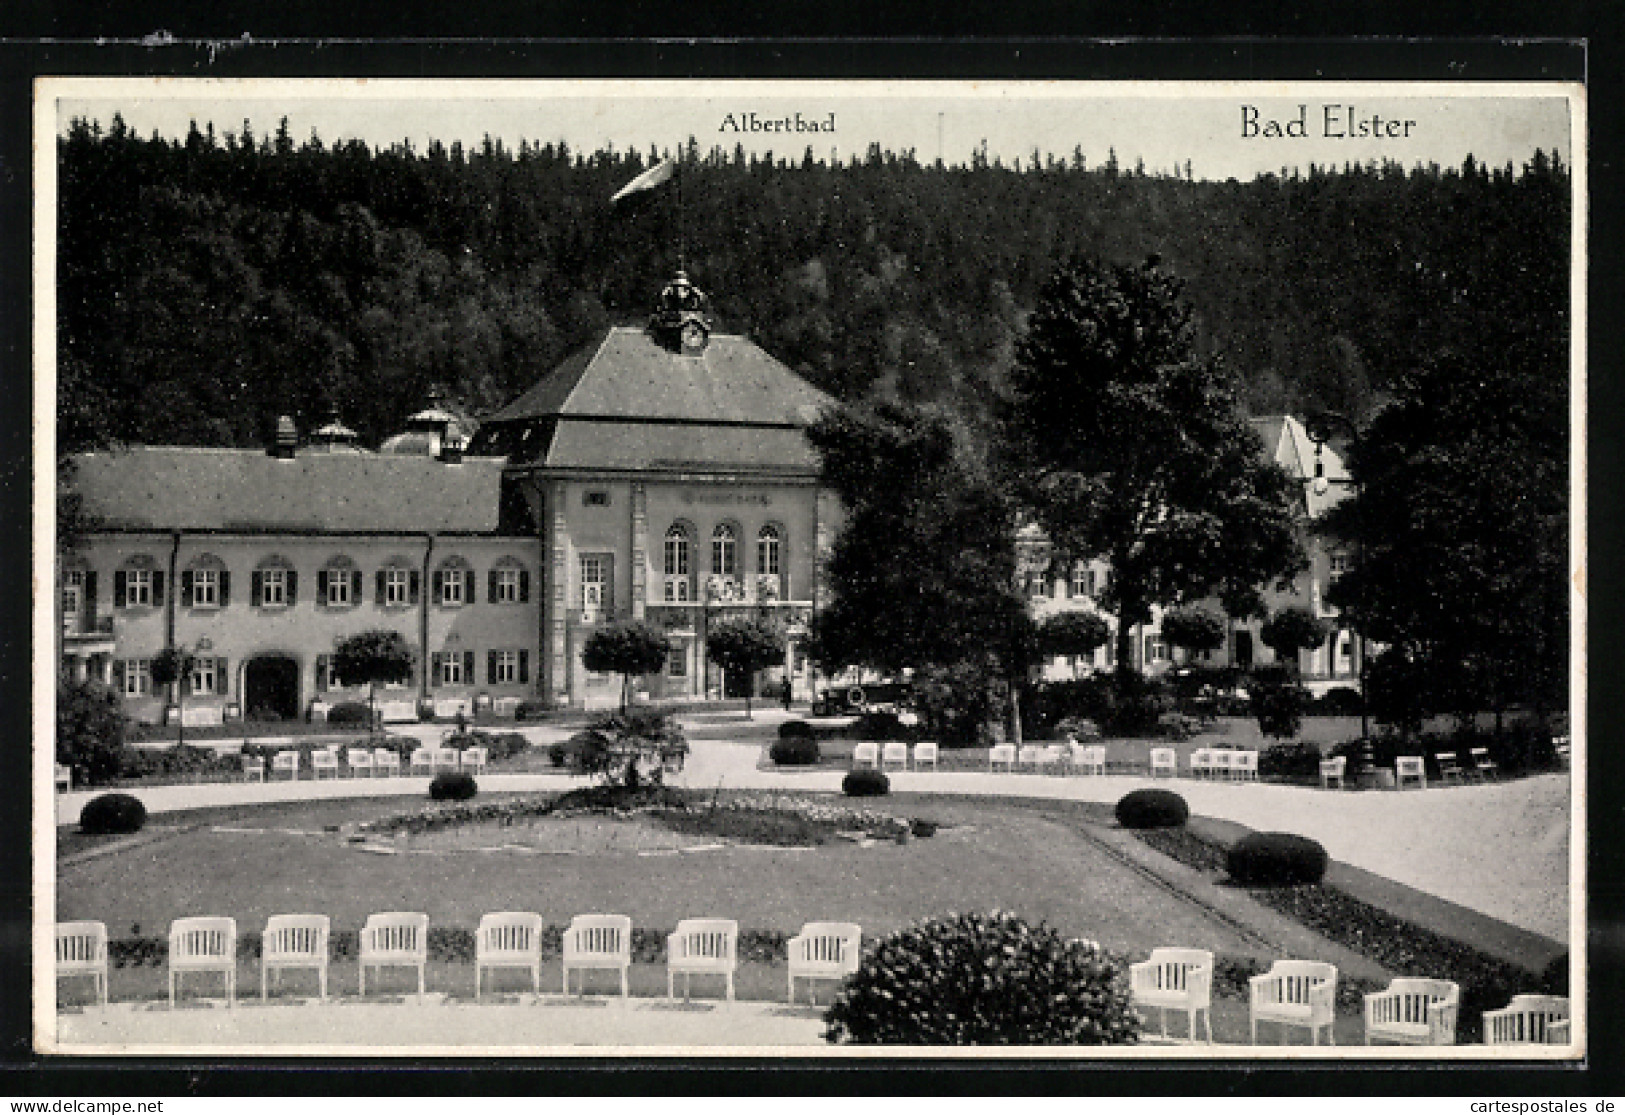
{"type": "Point", "coordinates": [437, 668]}
{"type": "Point", "coordinates": [225, 588]}
{"type": "Point", "coordinates": [491, 587]}
{"type": "Point", "coordinates": [468, 667]}
{"type": "Point", "coordinates": [355, 586]}
{"type": "Point", "coordinates": [222, 676]}
{"type": "Point", "coordinates": [321, 673]}
{"type": "Point", "coordinates": [118, 670]}
{"type": "Point", "coordinates": [321, 585]}
{"type": "Point", "coordinates": [186, 588]}
{"type": "Point", "coordinates": [439, 590]}
{"type": "Point", "coordinates": [120, 581]}
{"type": "Point", "coordinates": [90, 596]}
{"type": "Point", "coordinates": [490, 667]}
{"type": "Point", "coordinates": [469, 596]}
{"type": "Point", "coordinates": [157, 589]}
{"type": "Point", "coordinates": [257, 592]}
{"type": "Point", "coordinates": [379, 579]}
{"type": "Point", "coordinates": [412, 587]}
{"type": "Point", "coordinates": [293, 587]}
{"type": "Point", "coordinates": [524, 586]}
{"type": "Point", "coordinates": [524, 667]}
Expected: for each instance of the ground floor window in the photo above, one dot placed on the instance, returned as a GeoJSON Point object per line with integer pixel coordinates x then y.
{"type": "Point", "coordinates": [136, 677]}
{"type": "Point", "coordinates": [507, 667]}
{"type": "Point", "coordinates": [677, 661]}
{"type": "Point", "coordinates": [205, 677]}
{"type": "Point", "coordinates": [454, 667]}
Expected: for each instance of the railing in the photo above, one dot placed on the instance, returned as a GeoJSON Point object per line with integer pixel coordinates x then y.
{"type": "Point", "coordinates": [84, 627]}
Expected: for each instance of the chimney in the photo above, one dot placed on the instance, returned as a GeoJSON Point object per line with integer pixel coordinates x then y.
{"type": "Point", "coordinates": [287, 439]}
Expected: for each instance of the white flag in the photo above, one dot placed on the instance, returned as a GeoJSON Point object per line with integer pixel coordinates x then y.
{"type": "Point", "coordinates": [656, 175]}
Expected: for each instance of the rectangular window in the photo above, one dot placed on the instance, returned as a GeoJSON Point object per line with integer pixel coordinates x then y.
{"type": "Point", "coordinates": [677, 661]}
{"type": "Point", "coordinates": [1340, 565]}
{"type": "Point", "coordinates": [273, 588]}
{"type": "Point", "coordinates": [338, 587]}
{"type": "Point", "coordinates": [1038, 587]}
{"type": "Point", "coordinates": [594, 578]}
{"type": "Point", "coordinates": [325, 677]}
{"type": "Point", "coordinates": [73, 592]}
{"type": "Point", "coordinates": [205, 677]}
{"type": "Point", "coordinates": [395, 587]}
{"type": "Point", "coordinates": [1082, 582]}
{"type": "Point", "coordinates": [138, 588]}
{"type": "Point", "coordinates": [504, 667]}
{"type": "Point", "coordinates": [206, 588]}
{"type": "Point", "coordinates": [595, 499]}
{"type": "Point", "coordinates": [677, 590]}
{"type": "Point", "coordinates": [451, 587]}
{"type": "Point", "coordinates": [507, 586]}
{"type": "Point", "coordinates": [137, 677]}
{"type": "Point", "coordinates": [450, 667]}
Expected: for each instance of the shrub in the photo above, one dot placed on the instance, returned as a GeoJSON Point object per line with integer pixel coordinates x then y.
{"type": "Point", "coordinates": [1134, 705]}
{"type": "Point", "coordinates": [794, 751]}
{"type": "Point", "coordinates": [112, 814]}
{"type": "Point", "coordinates": [89, 731]}
{"type": "Point", "coordinates": [453, 785]}
{"type": "Point", "coordinates": [956, 703]}
{"type": "Point", "coordinates": [1341, 701]}
{"type": "Point", "coordinates": [1276, 859]}
{"type": "Point", "coordinates": [1177, 726]}
{"type": "Point", "coordinates": [1291, 762]}
{"type": "Point", "coordinates": [558, 753]}
{"type": "Point", "coordinates": [348, 713]}
{"type": "Point", "coordinates": [1279, 701]}
{"type": "Point", "coordinates": [795, 728]}
{"type": "Point", "coordinates": [1152, 809]}
{"type": "Point", "coordinates": [182, 759]}
{"type": "Point", "coordinates": [505, 745]}
{"type": "Point", "coordinates": [865, 784]}
{"type": "Point", "coordinates": [877, 726]}
{"type": "Point", "coordinates": [532, 708]}
{"type": "Point", "coordinates": [974, 979]}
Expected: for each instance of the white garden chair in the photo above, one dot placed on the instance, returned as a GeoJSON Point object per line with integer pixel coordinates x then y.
{"type": "Point", "coordinates": [324, 759]}
{"type": "Point", "coordinates": [1413, 1012]}
{"type": "Point", "coordinates": [472, 759]}
{"type": "Point", "coordinates": [1029, 756]}
{"type": "Point", "coordinates": [1002, 753]}
{"type": "Point", "coordinates": [295, 941]}
{"type": "Point", "coordinates": [253, 768]}
{"type": "Point", "coordinates": [285, 762]}
{"type": "Point", "coordinates": [826, 950]}
{"type": "Point", "coordinates": [597, 941]}
{"type": "Point", "coordinates": [81, 950]}
{"type": "Point", "coordinates": [1332, 770]}
{"type": "Point", "coordinates": [1295, 993]}
{"type": "Point", "coordinates": [203, 945]}
{"type": "Point", "coordinates": [1557, 1032]}
{"type": "Point", "coordinates": [1484, 767]}
{"type": "Point", "coordinates": [701, 947]}
{"type": "Point", "coordinates": [1527, 1020]}
{"type": "Point", "coordinates": [1221, 760]}
{"type": "Point", "coordinates": [509, 940]}
{"type": "Point", "coordinates": [1202, 762]}
{"type": "Point", "coordinates": [386, 761]}
{"type": "Point", "coordinates": [1449, 768]}
{"type": "Point", "coordinates": [1244, 766]}
{"type": "Point", "coordinates": [1409, 766]}
{"type": "Point", "coordinates": [866, 754]}
{"type": "Point", "coordinates": [356, 760]}
{"type": "Point", "coordinates": [423, 760]}
{"type": "Point", "coordinates": [395, 940]}
{"type": "Point", "coordinates": [64, 778]}
{"type": "Point", "coordinates": [1053, 758]}
{"type": "Point", "coordinates": [1175, 979]}
{"type": "Point", "coordinates": [1090, 759]}
{"type": "Point", "coordinates": [925, 752]}
{"type": "Point", "coordinates": [894, 752]}
{"type": "Point", "coordinates": [445, 758]}
{"type": "Point", "coordinates": [1164, 760]}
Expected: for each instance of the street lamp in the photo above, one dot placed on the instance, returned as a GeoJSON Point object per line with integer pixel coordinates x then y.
{"type": "Point", "coordinates": [1318, 428]}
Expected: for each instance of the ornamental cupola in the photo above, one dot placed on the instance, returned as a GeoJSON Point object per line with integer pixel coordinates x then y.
{"type": "Point", "coordinates": [681, 322]}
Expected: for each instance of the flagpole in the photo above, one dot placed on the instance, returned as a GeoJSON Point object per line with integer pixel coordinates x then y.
{"type": "Point", "coordinates": [682, 215]}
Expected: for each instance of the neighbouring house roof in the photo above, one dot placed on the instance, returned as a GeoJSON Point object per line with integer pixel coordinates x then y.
{"type": "Point", "coordinates": [1289, 445]}
{"type": "Point", "coordinates": [628, 375]}
{"type": "Point", "coordinates": [167, 488]}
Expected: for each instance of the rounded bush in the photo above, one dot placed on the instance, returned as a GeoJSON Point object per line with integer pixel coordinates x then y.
{"type": "Point", "coordinates": [453, 785]}
{"type": "Point", "coordinates": [1152, 809]}
{"type": "Point", "coordinates": [795, 729]}
{"type": "Point", "coordinates": [348, 712]}
{"type": "Point", "coordinates": [1276, 859]}
{"type": "Point", "coordinates": [865, 784]}
{"type": "Point", "coordinates": [983, 979]}
{"type": "Point", "coordinates": [112, 814]}
{"type": "Point", "coordinates": [794, 751]}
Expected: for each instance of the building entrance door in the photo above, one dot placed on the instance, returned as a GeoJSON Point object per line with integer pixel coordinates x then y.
{"type": "Point", "coordinates": [737, 683]}
{"type": "Point", "coordinates": [271, 688]}
{"type": "Point", "coordinates": [1244, 649]}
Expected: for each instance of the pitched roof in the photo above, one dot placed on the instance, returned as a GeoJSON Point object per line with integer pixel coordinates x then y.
{"type": "Point", "coordinates": [166, 488]}
{"type": "Point", "coordinates": [1289, 445]}
{"type": "Point", "coordinates": [628, 375]}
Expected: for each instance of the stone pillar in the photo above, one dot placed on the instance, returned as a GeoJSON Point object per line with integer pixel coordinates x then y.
{"type": "Point", "coordinates": [556, 600]}
{"type": "Point", "coordinates": [640, 549]}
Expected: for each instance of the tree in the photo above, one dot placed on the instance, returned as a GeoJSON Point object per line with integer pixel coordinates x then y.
{"type": "Point", "coordinates": [1291, 630]}
{"type": "Point", "coordinates": [372, 657]}
{"type": "Point", "coordinates": [746, 645]}
{"type": "Point", "coordinates": [89, 731]}
{"type": "Point", "coordinates": [1193, 629]}
{"type": "Point", "coordinates": [631, 649]}
{"type": "Point", "coordinates": [173, 666]}
{"type": "Point", "coordinates": [924, 570]}
{"type": "Point", "coordinates": [1072, 634]}
{"type": "Point", "coordinates": [1124, 443]}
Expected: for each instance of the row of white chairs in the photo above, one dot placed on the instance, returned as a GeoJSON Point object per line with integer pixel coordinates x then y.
{"type": "Point", "coordinates": [1303, 993]}
{"type": "Point", "coordinates": [357, 761]}
{"type": "Point", "coordinates": [894, 756]}
{"type": "Point", "coordinates": [698, 947]}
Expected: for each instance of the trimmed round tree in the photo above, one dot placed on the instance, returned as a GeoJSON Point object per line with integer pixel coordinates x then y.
{"type": "Point", "coordinates": [1072, 634]}
{"type": "Point", "coordinates": [372, 657]}
{"type": "Point", "coordinates": [747, 645]}
{"type": "Point", "coordinates": [631, 649]}
{"type": "Point", "coordinates": [1291, 630]}
{"type": "Point", "coordinates": [173, 666]}
{"type": "Point", "coordinates": [1193, 629]}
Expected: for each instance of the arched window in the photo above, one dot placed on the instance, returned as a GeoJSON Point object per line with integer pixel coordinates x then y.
{"type": "Point", "coordinates": [767, 550]}
{"type": "Point", "coordinates": [138, 583]}
{"type": "Point", "coordinates": [275, 584]}
{"type": "Point", "coordinates": [509, 582]}
{"type": "Point", "coordinates": [677, 582]}
{"type": "Point", "coordinates": [724, 547]}
{"type": "Point", "coordinates": [338, 583]}
{"type": "Point", "coordinates": [453, 583]}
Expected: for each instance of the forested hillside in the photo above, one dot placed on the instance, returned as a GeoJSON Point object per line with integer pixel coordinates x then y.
{"type": "Point", "coordinates": [207, 285]}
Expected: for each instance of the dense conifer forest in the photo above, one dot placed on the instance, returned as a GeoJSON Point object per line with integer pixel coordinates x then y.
{"type": "Point", "coordinates": [208, 284]}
